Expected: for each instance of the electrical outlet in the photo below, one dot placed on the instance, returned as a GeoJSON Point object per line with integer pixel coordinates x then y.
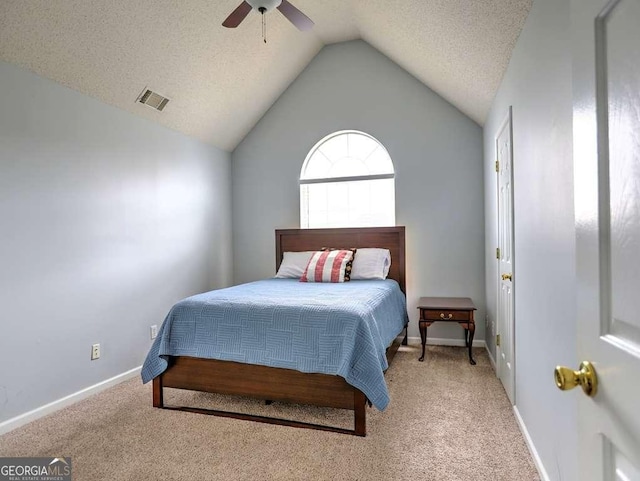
{"type": "Point", "coordinates": [95, 352]}
{"type": "Point", "coordinates": [154, 331]}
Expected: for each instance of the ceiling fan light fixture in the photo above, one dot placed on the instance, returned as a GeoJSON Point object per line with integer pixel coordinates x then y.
{"type": "Point", "coordinates": [267, 5]}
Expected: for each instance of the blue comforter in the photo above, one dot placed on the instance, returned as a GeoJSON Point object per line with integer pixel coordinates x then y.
{"type": "Point", "coordinates": [342, 329]}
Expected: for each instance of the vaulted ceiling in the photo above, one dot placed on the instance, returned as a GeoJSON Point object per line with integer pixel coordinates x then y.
{"type": "Point", "coordinates": [221, 81]}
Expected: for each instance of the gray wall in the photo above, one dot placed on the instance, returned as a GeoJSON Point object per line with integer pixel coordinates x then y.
{"type": "Point", "coordinates": [538, 86]}
{"type": "Point", "coordinates": [106, 220]}
{"type": "Point", "coordinates": [437, 154]}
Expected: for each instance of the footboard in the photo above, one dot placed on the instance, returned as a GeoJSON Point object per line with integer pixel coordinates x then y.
{"type": "Point", "coordinates": [262, 382]}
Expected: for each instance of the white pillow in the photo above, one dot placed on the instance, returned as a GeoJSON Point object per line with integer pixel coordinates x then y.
{"type": "Point", "coordinates": [294, 264]}
{"type": "Point", "coordinates": [371, 263]}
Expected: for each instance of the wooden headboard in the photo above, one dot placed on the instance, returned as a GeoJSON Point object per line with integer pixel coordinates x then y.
{"type": "Point", "coordinates": [392, 238]}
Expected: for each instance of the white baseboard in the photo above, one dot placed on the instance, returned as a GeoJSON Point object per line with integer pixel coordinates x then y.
{"type": "Point", "coordinates": [435, 341]}
{"type": "Point", "coordinates": [492, 360]}
{"type": "Point", "coordinates": [22, 419]}
{"type": "Point", "coordinates": [532, 449]}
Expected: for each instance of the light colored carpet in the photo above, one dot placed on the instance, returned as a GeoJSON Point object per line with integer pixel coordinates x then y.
{"type": "Point", "coordinates": [447, 420]}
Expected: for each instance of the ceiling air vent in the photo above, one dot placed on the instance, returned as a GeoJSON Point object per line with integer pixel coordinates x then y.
{"type": "Point", "coordinates": [153, 100]}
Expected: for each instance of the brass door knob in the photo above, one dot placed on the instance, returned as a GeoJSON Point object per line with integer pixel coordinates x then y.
{"type": "Point", "coordinates": [506, 277]}
{"type": "Point", "coordinates": [586, 377]}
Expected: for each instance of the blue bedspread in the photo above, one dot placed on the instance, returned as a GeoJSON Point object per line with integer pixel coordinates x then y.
{"type": "Point", "coordinates": [341, 328]}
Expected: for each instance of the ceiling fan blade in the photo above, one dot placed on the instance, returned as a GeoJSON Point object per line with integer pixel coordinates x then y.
{"type": "Point", "coordinates": [237, 16]}
{"type": "Point", "coordinates": [295, 16]}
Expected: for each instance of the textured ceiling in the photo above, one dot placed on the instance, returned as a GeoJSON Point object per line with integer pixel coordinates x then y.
{"type": "Point", "coordinates": [221, 81]}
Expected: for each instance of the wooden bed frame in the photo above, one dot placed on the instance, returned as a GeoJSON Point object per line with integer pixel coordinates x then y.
{"type": "Point", "coordinates": [287, 385]}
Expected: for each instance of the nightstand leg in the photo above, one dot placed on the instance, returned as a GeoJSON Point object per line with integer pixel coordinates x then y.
{"type": "Point", "coordinates": [405, 341]}
{"type": "Point", "coordinates": [466, 337]}
{"type": "Point", "coordinates": [472, 330]}
{"type": "Point", "coordinates": [423, 337]}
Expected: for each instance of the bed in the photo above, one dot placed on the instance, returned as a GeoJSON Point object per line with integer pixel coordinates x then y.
{"type": "Point", "coordinates": [244, 373]}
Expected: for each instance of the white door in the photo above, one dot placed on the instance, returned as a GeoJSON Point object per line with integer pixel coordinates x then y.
{"type": "Point", "coordinates": [606, 82]}
{"type": "Point", "coordinates": [505, 321]}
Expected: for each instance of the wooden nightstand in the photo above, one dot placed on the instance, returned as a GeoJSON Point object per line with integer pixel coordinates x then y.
{"type": "Point", "coordinates": [447, 309]}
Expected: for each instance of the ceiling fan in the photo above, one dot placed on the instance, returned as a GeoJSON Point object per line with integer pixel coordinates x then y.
{"type": "Point", "coordinates": [294, 15]}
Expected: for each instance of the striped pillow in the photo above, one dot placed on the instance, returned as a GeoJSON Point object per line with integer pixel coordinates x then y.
{"type": "Point", "coordinates": [328, 266]}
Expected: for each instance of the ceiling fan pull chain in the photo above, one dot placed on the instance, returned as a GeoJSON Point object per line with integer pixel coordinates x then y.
{"type": "Point", "coordinates": [264, 25]}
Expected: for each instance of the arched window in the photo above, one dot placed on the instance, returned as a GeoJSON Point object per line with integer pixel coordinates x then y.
{"type": "Point", "coordinates": [347, 180]}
